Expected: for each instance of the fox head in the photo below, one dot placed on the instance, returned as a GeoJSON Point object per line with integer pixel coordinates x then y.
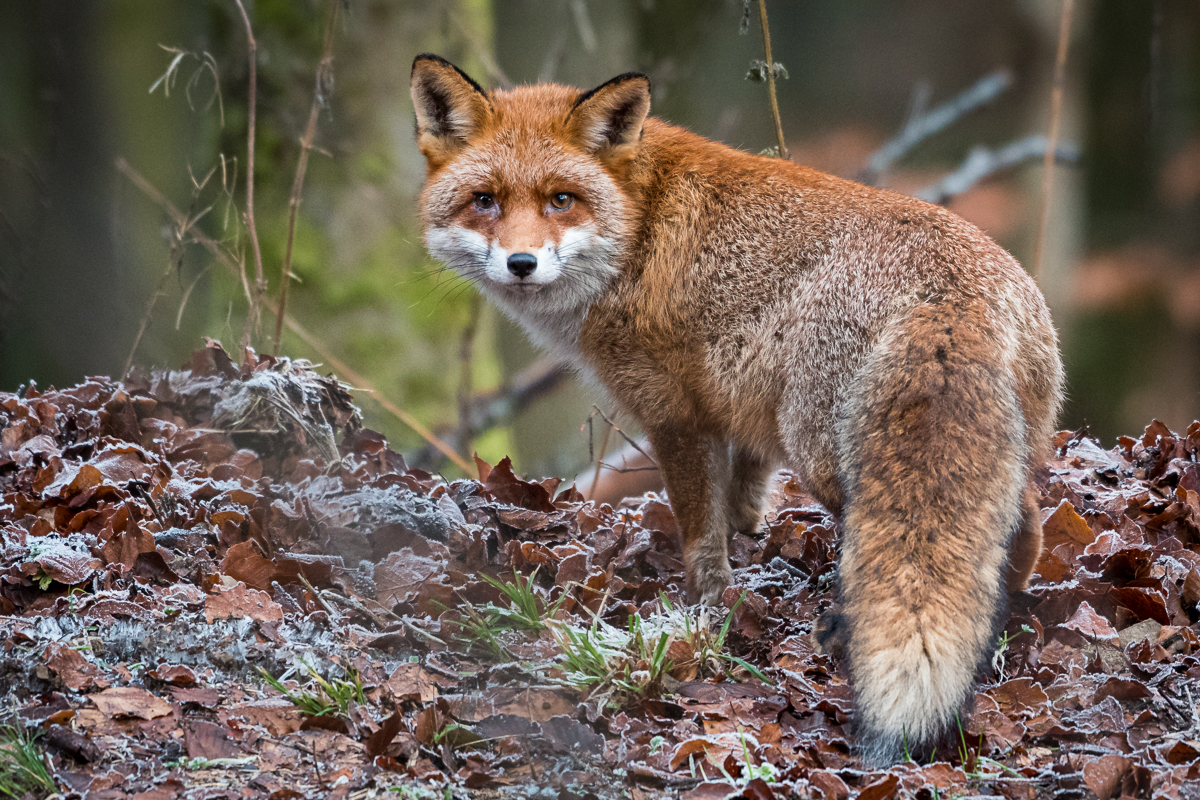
{"type": "Point", "coordinates": [523, 191]}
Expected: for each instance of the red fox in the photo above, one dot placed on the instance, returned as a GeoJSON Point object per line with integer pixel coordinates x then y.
{"type": "Point", "coordinates": [750, 312]}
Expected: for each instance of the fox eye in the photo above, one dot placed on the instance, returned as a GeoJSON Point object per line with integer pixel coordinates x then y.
{"type": "Point", "coordinates": [484, 201]}
{"type": "Point", "coordinates": [562, 201]}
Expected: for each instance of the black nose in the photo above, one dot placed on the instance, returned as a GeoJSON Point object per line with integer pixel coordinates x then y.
{"type": "Point", "coordinates": [522, 264]}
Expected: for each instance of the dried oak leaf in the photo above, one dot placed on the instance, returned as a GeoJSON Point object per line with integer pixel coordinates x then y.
{"type": "Point", "coordinates": [175, 674]}
{"type": "Point", "coordinates": [240, 601]}
{"type": "Point", "coordinates": [130, 701]}
{"type": "Point", "coordinates": [503, 484]}
{"type": "Point", "coordinates": [277, 714]}
{"type": "Point", "coordinates": [880, 790]}
{"type": "Point", "coordinates": [403, 576]}
{"type": "Point", "coordinates": [1019, 697]}
{"type": "Point", "coordinates": [1103, 776]}
{"type": "Point", "coordinates": [72, 668]}
{"type": "Point", "coordinates": [829, 784]}
{"type": "Point", "coordinates": [1065, 526]}
{"type": "Point", "coordinates": [377, 743]}
{"type": "Point", "coordinates": [245, 563]}
{"type": "Point", "coordinates": [53, 559]}
{"type": "Point", "coordinates": [209, 740]}
{"type": "Point", "coordinates": [1086, 621]}
{"type": "Point", "coordinates": [412, 682]}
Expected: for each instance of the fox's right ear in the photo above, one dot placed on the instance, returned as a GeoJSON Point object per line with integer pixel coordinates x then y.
{"type": "Point", "coordinates": [450, 107]}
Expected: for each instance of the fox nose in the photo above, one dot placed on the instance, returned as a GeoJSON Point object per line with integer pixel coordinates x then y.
{"type": "Point", "coordinates": [522, 264]}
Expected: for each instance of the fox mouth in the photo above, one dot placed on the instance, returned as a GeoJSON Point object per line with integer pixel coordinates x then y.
{"type": "Point", "coordinates": [524, 287]}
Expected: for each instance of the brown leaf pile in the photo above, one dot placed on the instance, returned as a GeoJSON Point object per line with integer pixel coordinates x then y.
{"type": "Point", "coordinates": [166, 538]}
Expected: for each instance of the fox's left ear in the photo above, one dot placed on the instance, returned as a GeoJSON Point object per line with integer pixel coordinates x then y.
{"type": "Point", "coordinates": [608, 120]}
{"type": "Point", "coordinates": [450, 107]}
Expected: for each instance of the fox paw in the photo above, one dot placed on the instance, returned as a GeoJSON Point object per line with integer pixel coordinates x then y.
{"type": "Point", "coordinates": [707, 583]}
{"type": "Point", "coordinates": [830, 634]}
{"type": "Point", "coordinates": [745, 518]}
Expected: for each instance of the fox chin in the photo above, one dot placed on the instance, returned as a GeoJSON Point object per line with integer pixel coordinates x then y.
{"type": "Point", "coordinates": [750, 313]}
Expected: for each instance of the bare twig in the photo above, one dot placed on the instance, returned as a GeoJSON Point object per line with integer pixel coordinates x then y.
{"type": "Point", "coordinates": [624, 436]}
{"type": "Point", "coordinates": [921, 126]}
{"type": "Point", "coordinates": [229, 262]}
{"type": "Point", "coordinates": [981, 163]}
{"type": "Point", "coordinates": [583, 23]}
{"type": "Point", "coordinates": [626, 470]}
{"type": "Point", "coordinates": [770, 70]}
{"type": "Point", "coordinates": [495, 408]}
{"type": "Point", "coordinates": [466, 370]}
{"type": "Point", "coordinates": [483, 53]}
{"type": "Point", "coordinates": [599, 458]}
{"type": "Point", "coordinates": [259, 289]}
{"type": "Point", "coordinates": [1056, 98]}
{"type": "Point", "coordinates": [355, 379]}
{"type": "Point", "coordinates": [334, 597]}
{"type": "Point", "coordinates": [174, 264]}
{"type": "Point", "coordinates": [317, 596]}
{"type": "Point", "coordinates": [324, 82]}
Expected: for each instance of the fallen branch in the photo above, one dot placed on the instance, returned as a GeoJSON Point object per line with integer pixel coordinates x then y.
{"type": "Point", "coordinates": [1056, 98]}
{"type": "Point", "coordinates": [982, 163]}
{"type": "Point", "coordinates": [921, 126]}
{"type": "Point", "coordinates": [324, 83]}
{"type": "Point", "coordinates": [229, 262]}
{"type": "Point", "coordinates": [259, 289]}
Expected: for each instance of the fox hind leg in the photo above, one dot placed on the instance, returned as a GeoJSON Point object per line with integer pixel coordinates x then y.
{"type": "Point", "coordinates": [1026, 545]}
{"type": "Point", "coordinates": [749, 475]}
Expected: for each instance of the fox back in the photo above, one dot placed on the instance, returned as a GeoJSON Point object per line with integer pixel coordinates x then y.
{"type": "Point", "coordinates": [750, 312]}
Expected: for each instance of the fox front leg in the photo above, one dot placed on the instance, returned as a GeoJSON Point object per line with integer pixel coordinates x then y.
{"type": "Point", "coordinates": [696, 469]}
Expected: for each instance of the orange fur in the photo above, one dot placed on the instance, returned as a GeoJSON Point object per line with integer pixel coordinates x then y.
{"type": "Point", "coordinates": [751, 312]}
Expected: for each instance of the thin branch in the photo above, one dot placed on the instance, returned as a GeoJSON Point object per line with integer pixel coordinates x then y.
{"type": "Point", "coordinates": [921, 126]}
{"type": "Point", "coordinates": [497, 407]}
{"type": "Point", "coordinates": [174, 264]}
{"type": "Point", "coordinates": [260, 283]}
{"type": "Point", "coordinates": [483, 53]}
{"type": "Point", "coordinates": [466, 374]}
{"type": "Point", "coordinates": [982, 163]}
{"type": "Point", "coordinates": [1056, 98]}
{"type": "Point", "coordinates": [624, 436]}
{"type": "Point", "coordinates": [324, 82]}
{"type": "Point", "coordinates": [360, 381]}
{"type": "Point", "coordinates": [353, 377]}
{"type": "Point", "coordinates": [770, 70]}
{"type": "Point", "coordinates": [599, 459]}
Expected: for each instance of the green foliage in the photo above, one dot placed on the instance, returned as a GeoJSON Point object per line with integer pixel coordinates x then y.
{"type": "Point", "coordinates": [22, 769]}
{"type": "Point", "coordinates": [525, 612]}
{"type": "Point", "coordinates": [998, 657]}
{"type": "Point", "coordinates": [323, 696]}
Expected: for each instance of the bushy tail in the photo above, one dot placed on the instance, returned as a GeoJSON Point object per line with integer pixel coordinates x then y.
{"type": "Point", "coordinates": [933, 455]}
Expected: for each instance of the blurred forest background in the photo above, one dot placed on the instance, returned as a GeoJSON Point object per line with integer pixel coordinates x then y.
{"type": "Point", "coordinates": [162, 85]}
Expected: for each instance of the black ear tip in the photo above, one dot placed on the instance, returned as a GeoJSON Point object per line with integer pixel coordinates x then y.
{"type": "Point", "coordinates": [436, 59]}
{"type": "Point", "coordinates": [624, 77]}
{"type": "Point", "coordinates": [430, 57]}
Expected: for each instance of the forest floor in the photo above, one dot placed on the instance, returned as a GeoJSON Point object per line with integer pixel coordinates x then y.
{"type": "Point", "coordinates": [215, 583]}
